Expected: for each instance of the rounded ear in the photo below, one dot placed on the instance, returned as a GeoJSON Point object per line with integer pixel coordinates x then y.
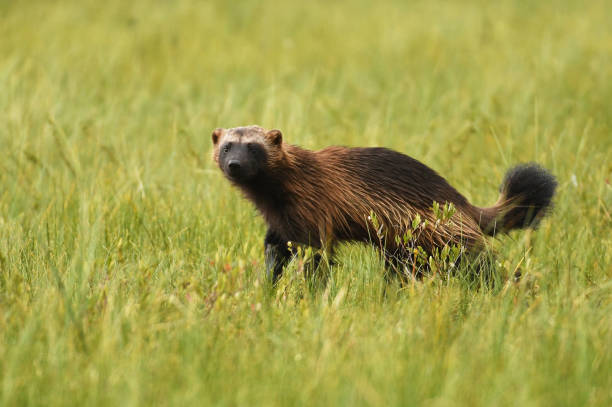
{"type": "Point", "coordinates": [216, 135]}
{"type": "Point", "coordinates": [275, 137]}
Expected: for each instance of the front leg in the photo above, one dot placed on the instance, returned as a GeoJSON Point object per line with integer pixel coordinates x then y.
{"type": "Point", "coordinates": [277, 255]}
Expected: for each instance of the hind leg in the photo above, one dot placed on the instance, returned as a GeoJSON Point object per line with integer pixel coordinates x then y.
{"type": "Point", "coordinates": [401, 264]}
{"type": "Point", "coordinates": [393, 268]}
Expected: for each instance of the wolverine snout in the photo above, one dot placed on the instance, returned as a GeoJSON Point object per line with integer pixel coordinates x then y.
{"type": "Point", "coordinates": [233, 167]}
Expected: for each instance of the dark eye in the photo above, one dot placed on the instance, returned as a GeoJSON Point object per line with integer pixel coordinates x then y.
{"type": "Point", "coordinates": [251, 148]}
{"type": "Point", "coordinates": [227, 147]}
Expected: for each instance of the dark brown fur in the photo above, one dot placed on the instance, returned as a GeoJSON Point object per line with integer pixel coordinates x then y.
{"type": "Point", "coordinates": [320, 198]}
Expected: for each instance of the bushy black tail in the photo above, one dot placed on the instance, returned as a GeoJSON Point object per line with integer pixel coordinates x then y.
{"type": "Point", "coordinates": [526, 195]}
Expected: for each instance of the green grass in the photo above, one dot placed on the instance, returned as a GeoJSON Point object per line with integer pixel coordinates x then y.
{"type": "Point", "coordinates": [129, 268]}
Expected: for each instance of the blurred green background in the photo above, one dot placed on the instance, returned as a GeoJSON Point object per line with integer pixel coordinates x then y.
{"type": "Point", "coordinates": [129, 268]}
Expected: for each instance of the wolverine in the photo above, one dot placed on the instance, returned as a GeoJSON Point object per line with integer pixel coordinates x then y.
{"type": "Point", "coordinates": [321, 198]}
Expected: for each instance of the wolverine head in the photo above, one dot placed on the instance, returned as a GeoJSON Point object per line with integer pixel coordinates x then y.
{"type": "Point", "coordinates": [244, 152]}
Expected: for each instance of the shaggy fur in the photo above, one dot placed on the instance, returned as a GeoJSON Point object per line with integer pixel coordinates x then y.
{"type": "Point", "coordinates": [319, 198]}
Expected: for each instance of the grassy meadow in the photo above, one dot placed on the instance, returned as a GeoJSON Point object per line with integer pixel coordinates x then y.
{"type": "Point", "coordinates": [130, 269]}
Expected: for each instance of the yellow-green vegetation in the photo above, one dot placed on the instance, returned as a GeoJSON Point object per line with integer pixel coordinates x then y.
{"type": "Point", "coordinates": [130, 269]}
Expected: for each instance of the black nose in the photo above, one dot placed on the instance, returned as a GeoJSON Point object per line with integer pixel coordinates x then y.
{"type": "Point", "coordinates": [234, 166]}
